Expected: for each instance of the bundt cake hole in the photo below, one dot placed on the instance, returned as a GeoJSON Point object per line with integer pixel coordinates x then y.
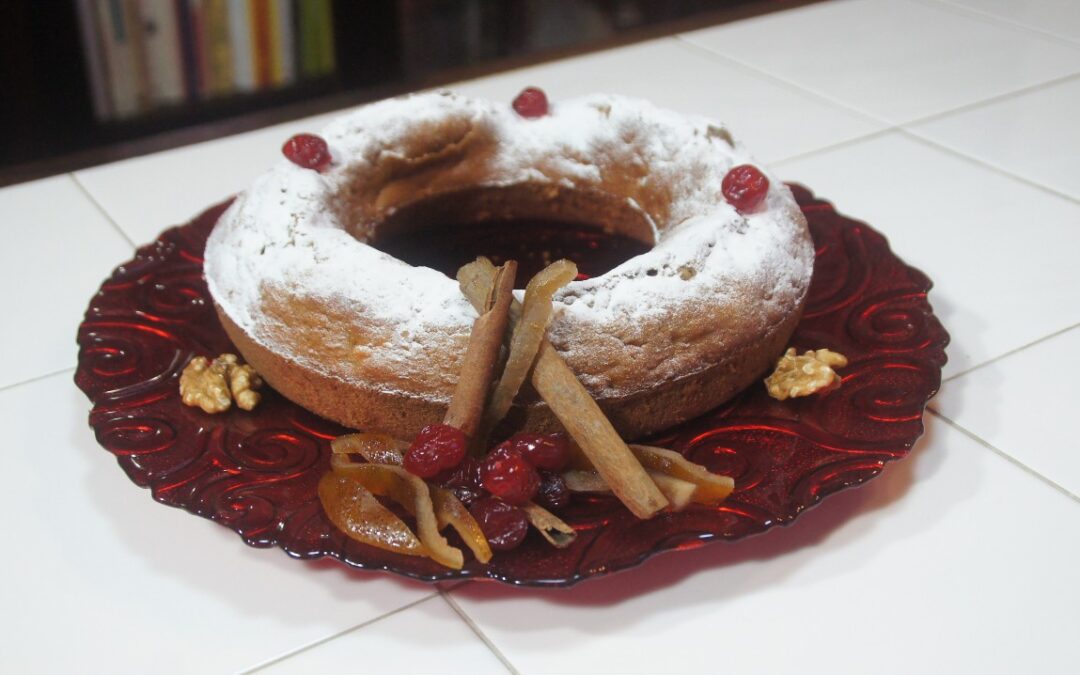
{"type": "Point", "coordinates": [533, 224]}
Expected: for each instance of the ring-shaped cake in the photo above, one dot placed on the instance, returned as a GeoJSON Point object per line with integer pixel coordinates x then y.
{"type": "Point", "coordinates": [362, 338]}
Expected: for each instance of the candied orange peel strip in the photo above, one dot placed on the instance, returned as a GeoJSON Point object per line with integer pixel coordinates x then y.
{"type": "Point", "coordinates": [412, 493]}
{"type": "Point", "coordinates": [679, 493]}
{"type": "Point", "coordinates": [450, 511]}
{"type": "Point", "coordinates": [375, 448]}
{"type": "Point", "coordinates": [712, 488]}
{"type": "Point", "coordinates": [528, 334]}
{"type": "Point", "coordinates": [355, 511]}
{"type": "Point", "coordinates": [385, 449]}
{"type": "Point", "coordinates": [682, 481]}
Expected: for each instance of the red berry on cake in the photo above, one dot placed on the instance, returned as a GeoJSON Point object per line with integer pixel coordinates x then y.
{"type": "Point", "coordinates": [308, 151]}
{"type": "Point", "coordinates": [437, 448]}
{"type": "Point", "coordinates": [745, 187]}
{"type": "Point", "coordinates": [531, 103]}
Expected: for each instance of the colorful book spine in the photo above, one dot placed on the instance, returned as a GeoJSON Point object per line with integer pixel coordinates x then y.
{"type": "Point", "coordinates": [202, 60]}
{"type": "Point", "coordinates": [188, 47]}
{"type": "Point", "coordinates": [327, 48]}
{"type": "Point", "coordinates": [315, 38]}
{"type": "Point", "coordinates": [137, 35]}
{"type": "Point", "coordinates": [259, 12]}
{"type": "Point", "coordinates": [162, 51]}
{"type": "Point", "coordinates": [119, 58]}
{"type": "Point", "coordinates": [144, 54]}
{"type": "Point", "coordinates": [240, 36]}
{"type": "Point", "coordinates": [218, 45]}
{"type": "Point", "coordinates": [96, 68]}
{"type": "Point", "coordinates": [286, 30]}
{"type": "Point", "coordinates": [282, 69]}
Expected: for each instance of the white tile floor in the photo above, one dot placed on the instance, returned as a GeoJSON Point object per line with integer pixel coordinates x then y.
{"type": "Point", "coordinates": [89, 247]}
{"type": "Point", "coordinates": [898, 60]}
{"type": "Point", "coordinates": [948, 125]}
{"type": "Point", "coordinates": [938, 207]}
{"type": "Point", "coordinates": [1027, 135]}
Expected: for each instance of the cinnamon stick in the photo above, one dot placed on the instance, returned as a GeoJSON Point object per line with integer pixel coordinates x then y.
{"type": "Point", "coordinates": [528, 334]}
{"type": "Point", "coordinates": [592, 430]}
{"type": "Point", "coordinates": [482, 356]}
{"type": "Point", "coordinates": [578, 412]}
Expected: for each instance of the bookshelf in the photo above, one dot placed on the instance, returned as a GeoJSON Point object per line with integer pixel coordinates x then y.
{"type": "Point", "coordinates": [93, 80]}
{"type": "Point", "coordinates": [146, 55]}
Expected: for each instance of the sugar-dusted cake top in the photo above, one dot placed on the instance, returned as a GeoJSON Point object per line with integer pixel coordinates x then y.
{"type": "Point", "coordinates": [290, 250]}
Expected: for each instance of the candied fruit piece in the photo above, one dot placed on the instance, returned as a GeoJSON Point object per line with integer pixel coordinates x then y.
{"type": "Point", "coordinates": [308, 151]}
{"type": "Point", "coordinates": [531, 103]}
{"type": "Point", "coordinates": [745, 187]}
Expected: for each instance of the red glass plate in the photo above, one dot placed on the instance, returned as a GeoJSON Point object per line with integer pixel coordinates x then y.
{"type": "Point", "coordinates": [256, 473]}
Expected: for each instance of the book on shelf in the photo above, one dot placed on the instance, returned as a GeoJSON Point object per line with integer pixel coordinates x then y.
{"type": "Point", "coordinates": [259, 24]}
{"type": "Point", "coordinates": [142, 55]}
{"type": "Point", "coordinates": [240, 38]}
{"type": "Point", "coordinates": [118, 49]}
{"type": "Point", "coordinates": [94, 59]}
{"type": "Point", "coordinates": [189, 55]}
{"type": "Point", "coordinates": [282, 35]}
{"type": "Point", "coordinates": [217, 44]}
{"type": "Point", "coordinates": [316, 38]}
{"type": "Point", "coordinates": [161, 42]}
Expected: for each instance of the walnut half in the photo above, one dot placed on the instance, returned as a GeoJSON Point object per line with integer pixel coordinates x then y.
{"type": "Point", "coordinates": [804, 375]}
{"type": "Point", "coordinates": [214, 385]}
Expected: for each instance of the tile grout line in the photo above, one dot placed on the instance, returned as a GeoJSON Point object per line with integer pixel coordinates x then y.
{"type": "Point", "coordinates": [902, 128]}
{"type": "Point", "coordinates": [989, 17]}
{"type": "Point", "coordinates": [889, 125]}
{"type": "Point", "coordinates": [692, 46]}
{"type": "Point", "coordinates": [37, 378]}
{"type": "Point", "coordinates": [101, 209]}
{"type": "Point", "coordinates": [996, 98]}
{"type": "Point", "coordinates": [1004, 455]}
{"type": "Point", "coordinates": [836, 146]}
{"type": "Point", "coordinates": [1012, 351]}
{"type": "Point", "coordinates": [913, 135]}
{"type": "Point", "coordinates": [322, 641]}
{"type": "Point", "coordinates": [476, 629]}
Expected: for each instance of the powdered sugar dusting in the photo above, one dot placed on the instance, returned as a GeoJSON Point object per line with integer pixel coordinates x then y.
{"type": "Point", "coordinates": [283, 236]}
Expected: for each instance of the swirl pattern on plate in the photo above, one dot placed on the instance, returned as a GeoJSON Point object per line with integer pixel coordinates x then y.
{"type": "Point", "coordinates": [256, 473]}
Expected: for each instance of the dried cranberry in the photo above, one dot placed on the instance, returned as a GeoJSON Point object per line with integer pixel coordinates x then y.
{"type": "Point", "coordinates": [307, 150]}
{"type": "Point", "coordinates": [466, 474]}
{"type": "Point", "coordinates": [745, 187]}
{"type": "Point", "coordinates": [505, 526]}
{"type": "Point", "coordinates": [467, 495]}
{"type": "Point", "coordinates": [438, 447]}
{"type": "Point", "coordinates": [553, 493]}
{"type": "Point", "coordinates": [463, 480]}
{"type": "Point", "coordinates": [506, 474]}
{"type": "Point", "coordinates": [531, 103]}
{"type": "Point", "coordinates": [551, 451]}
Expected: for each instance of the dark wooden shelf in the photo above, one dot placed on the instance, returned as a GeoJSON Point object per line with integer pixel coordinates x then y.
{"type": "Point", "coordinates": [382, 49]}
